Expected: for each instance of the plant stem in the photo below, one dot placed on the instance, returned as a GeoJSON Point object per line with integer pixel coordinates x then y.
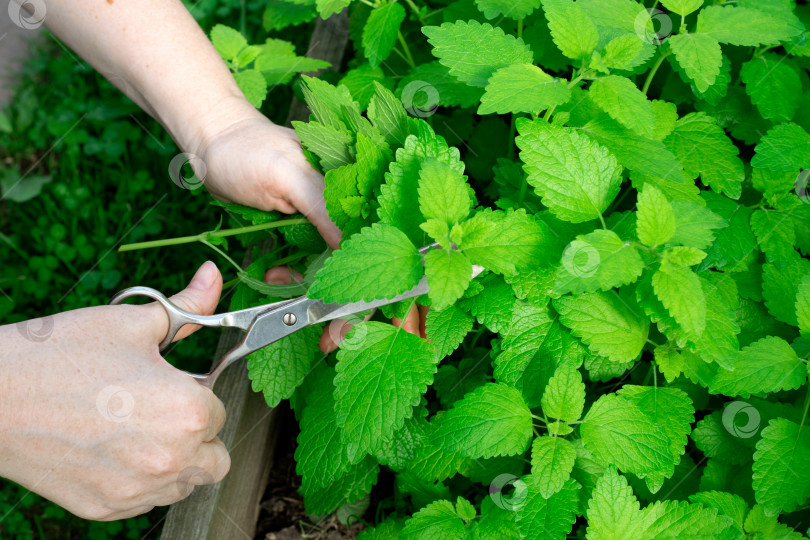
{"type": "Point", "coordinates": [512, 137]}
{"type": "Point", "coordinates": [520, 28]}
{"type": "Point", "coordinates": [652, 72]}
{"type": "Point", "coordinates": [413, 7]}
{"type": "Point", "coordinates": [211, 234]}
{"type": "Point", "coordinates": [409, 57]}
{"type": "Point", "coordinates": [227, 258]}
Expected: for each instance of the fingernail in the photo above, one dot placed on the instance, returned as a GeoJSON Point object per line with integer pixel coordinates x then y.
{"type": "Point", "coordinates": [205, 277]}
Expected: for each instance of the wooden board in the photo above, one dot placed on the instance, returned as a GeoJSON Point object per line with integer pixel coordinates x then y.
{"type": "Point", "coordinates": [230, 509]}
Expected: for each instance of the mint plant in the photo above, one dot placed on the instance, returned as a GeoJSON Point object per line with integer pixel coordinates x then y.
{"type": "Point", "coordinates": [633, 361]}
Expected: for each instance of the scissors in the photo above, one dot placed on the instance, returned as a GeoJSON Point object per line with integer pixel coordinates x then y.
{"type": "Point", "coordinates": [264, 324]}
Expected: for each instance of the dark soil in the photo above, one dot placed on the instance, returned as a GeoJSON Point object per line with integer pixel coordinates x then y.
{"type": "Point", "coordinates": [282, 515]}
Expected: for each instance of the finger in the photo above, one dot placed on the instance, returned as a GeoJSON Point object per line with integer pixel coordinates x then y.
{"type": "Point", "coordinates": [200, 297]}
{"type": "Point", "coordinates": [282, 275]}
{"type": "Point", "coordinates": [217, 415]}
{"type": "Point", "coordinates": [213, 458]}
{"type": "Point", "coordinates": [308, 198]}
{"type": "Point", "coordinates": [411, 322]}
{"type": "Point", "coordinates": [423, 311]}
{"type": "Point", "coordinates": [333, 334]}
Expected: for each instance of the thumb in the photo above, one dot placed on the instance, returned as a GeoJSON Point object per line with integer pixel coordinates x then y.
{"type": "Point", "coordinates": [200, 297]}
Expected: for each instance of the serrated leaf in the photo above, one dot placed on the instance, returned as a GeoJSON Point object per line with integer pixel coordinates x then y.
{"type": "Point", "coordinates": [327, 8]}
{"type": "Point", "coordinates": [331, 145]}
{"type": "Point", "coordinates": [474, 51]}
{"type": "Point", "coordinates": [443, 192]}
{"type": "Point", "coordinates": [606, 323]}
{"type": "Point", "coordinates": [492, 305]}
{"type": "Point", "coordinates": [598, 260]}
{"type": "Point", "coordinates": [745, 26]}
{"type": "Point", "coordinates": [624, 102]}
{"type": "Point", "coordinates": [781, 476]}
{"type": "Point", "coordinates": [728, 504]}
{"type": "Point", "coordinates": [679, 289]}
{"type": "Point", "coordinates": [279, 14]}
{"type": "Point", "coordinates": [446, 329]}
{"type": "Point", "coordinates": [780, 282]}
{"type": "Point", "coordinates": [695, 224]}
{"type": "Point", "coordinates": [439, 87]}
{"type": "Point", "coordinates": [785, 147]}
{"type": "Point", "coordinates": [227, 41]}
{"type": "Point", "coordinates": [554, 516]}
{"type": "Point", "coordinates": [448, 274]}
{"type": "Point", "coordinates": [768, 365]}
{"type": "Point", "coordinates": [572, 30]}
{"type": "Point", "coordinates": [388, 116]}
{"type": "Point", "coordinates": [381, 373]}
{"type": "Point", "coordinates": [704, 149]}
{"type": "Point", "coordinates": [700, 57]}
{"type": "Point", "coordinates": [803, 306]}
{"type": "Point", "coordinates": [277, 369]}
{"type": "Point", "coordinates": [774, 86]}
{"type": "Point", "coordinates": [381, 30]}
{"type": "Point", "coordinates": [522, 88]}
{"type": "Point", "coordinates": [576, 177]}
{"type": "Point", "coordinates": [564, 397]}
{"type": "Point", "coordinates": [493, 420]}
{"type": "Point", "coordinates": [613, 511]}
{"type": "Point", "coordinates": [626, 52]}
{"type": "Point", "coordinates": [682, 7]}
{"type": "Point", "coordinates": [514, 9]}
{"type": "Point", "coordinates": [436, 521]}
{"type": "Point", "coordinates": [360, 82]}
{"type": "Point", "coordinates": [379, 262]}
{"type": "Point", "coordinates": [253, 85]}
{"type": "Point", "coordinates": [655, 219]}
{"type": "Point", "coordinates": [552, 462]}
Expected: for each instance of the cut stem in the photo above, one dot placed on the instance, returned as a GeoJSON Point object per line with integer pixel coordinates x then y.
{"type": "Point", "coordinates": [652, 72]}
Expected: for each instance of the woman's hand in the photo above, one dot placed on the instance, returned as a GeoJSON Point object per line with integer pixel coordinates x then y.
{"type": "Point", "coordinates": [94, 419]}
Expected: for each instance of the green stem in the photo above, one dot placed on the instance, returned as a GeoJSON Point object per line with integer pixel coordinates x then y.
{"type": "Point", "coordinates": [652, 72]}
{"type": "Point", "coordinates": [211, 234]}
{"type": "Point", "coordinates": [520, 28]}
{"type": "Point", "coordinates": [602, 219]}
{"type": "Point", "coordinates": [227, 258]}
{"type": "Point", "coordinates": [804, 414]}
{"type": "Point", "coordinates": [407, 50]}
{"type": "Point", "coordinates": [512, 137]}
{"type": "Point", "coordinates": [413, 7]}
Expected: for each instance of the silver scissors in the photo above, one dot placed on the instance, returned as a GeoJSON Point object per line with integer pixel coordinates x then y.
{"type": "Point", "coordinates": [264, 324]}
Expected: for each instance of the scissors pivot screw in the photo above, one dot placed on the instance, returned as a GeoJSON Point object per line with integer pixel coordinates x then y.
{"type": "Point", "coordinates": [289, 319]}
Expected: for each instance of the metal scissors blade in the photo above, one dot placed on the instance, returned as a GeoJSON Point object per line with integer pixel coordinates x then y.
{"type": "Point", "coordinates": [265, 324]}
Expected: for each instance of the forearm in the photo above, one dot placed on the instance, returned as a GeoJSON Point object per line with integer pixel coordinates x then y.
{"type": "Point", "coordinates": [154, 51]}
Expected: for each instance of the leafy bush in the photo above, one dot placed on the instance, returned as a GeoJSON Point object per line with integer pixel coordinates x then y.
{"type": "Point", "coordinates": [640, 335]}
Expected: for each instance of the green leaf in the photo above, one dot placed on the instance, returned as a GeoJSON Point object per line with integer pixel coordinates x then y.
{"type": "Point", "coordinates": [679, 519]}
{"type": "Point", "coordinates": [655, 219]}
{"type": "Point", "coordinates": [703, 149]}
{"type": "Point", "coordinates": [576, 177]}
{"type": "Point", "coordinates": [803, 306]}
{"type": "Point", "coordinates": [695, 224]}
{"type": "Point", "coordinates": [493, 420]}
{"type": "Point", "coordinates": [745, 26]}
{"type": "Point", "coordinates": [617, 432]}
{"type": "Point", "coordinates": [678, 288]}
{"type": "Point", "coordinates": [522, 88]}
{"type": "Point", "coordinates": [278, 62]}
{"type": "Point", "coordinates": [608, 324]}
{"type": "Point", "coordinates": [474, 51]}
{"type": "Point", "coordinates": [253, 85]}
{"type": "Point", "coordinates": [781, 476]}
{"type": "Point", "coordinates": [448, 274]}
{"type": "Point", "coordinates": [735, 244]}
{"type": "Point", "coordinates": [514, 9]}
{"type": "Point", "coordinates": [496, 522]}
{"type": "Point", "coordinates": [443, 192]}
{"type": "Point", "coordinates": [554, 516]}
{"type": "Point", "coordinates": [780, 286]}
{"type": "Point", "coordinates": [552, 462]}
{"type": "Point", "coordinates": [360, 82]}
{"type": "Point", "coordinates": [571, 29]}
{"type": "Point", "coordinates": [442, 86]}
{"type": "Point", "coordinates": [227, 41]}
{"type": "Point", "coordinates": [625, 103]}
{"type": "Point", "coordinates": [564, 397]}
{"type": "Point", "coordinates": [388, 115]}
{"type": "Point", "coordinates": [613, 511]}
{"type": "Point", "coordinates": [785, 147]}
{"type": "Point", "coordinates": [682, 7]}
{"type": "Point", "coordinates": [700, 57]}
{"type": "Point", "coordinates": [728, 504]}
{"type": "Point", "coordinates": [446, 329]}
{"type": "Point", "coordinates": [278, 369]}
{"type": "Point", "coordinates": [768, 365]}
{"type": "Point", "coordinates": [327, 8]}
{"type": "Point", "coordinates": [598, 260]}
{"type": "Point", "coordinates": [626, 52]}
{"type": "Point", "coordinates": [774, 86]}
{"type": "Point", "coordinates": [761, 525]}
{"type": "Point", "coordinates": [491, 306]}
{"type": "Point", "coordinates": [436, 521]}
{"type": "Point", "coordinates": [381, 372]}
{"type": "Point", "coordinates": [381, 31]}
{"type": "Point", "coordinates": [379, 262]}
{"type": "Point", "coordinates": [330, 144]}
{"type": "Point", "coordinates": [505, 242]}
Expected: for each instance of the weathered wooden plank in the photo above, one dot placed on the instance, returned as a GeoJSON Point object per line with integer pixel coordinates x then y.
{"type": "Point", "coordinates": [230, 509]}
